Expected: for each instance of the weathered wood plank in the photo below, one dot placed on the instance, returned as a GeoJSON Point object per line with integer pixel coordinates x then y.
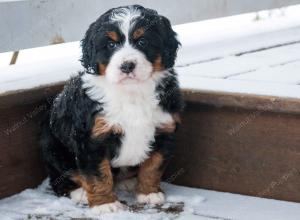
{"type": "Point", "coordinates": [235, 143]}
{"type": "Point", "coordinates": [244, 101]}
{"type": "Point", "coordinates": [20, 161]}
{"type": "Point", "coordinates": [240, 151]}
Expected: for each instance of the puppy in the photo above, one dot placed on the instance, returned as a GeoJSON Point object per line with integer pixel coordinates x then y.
{"type": "Point", "coordinates": [118, 116]}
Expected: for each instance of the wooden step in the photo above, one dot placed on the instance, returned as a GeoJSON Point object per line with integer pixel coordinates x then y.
{"type": "Point", "coordinates": [241, 144]}
{"type": "Point", "coordinates": [241, 126]}
{"type": "Point", "coordinates": [228, 142]}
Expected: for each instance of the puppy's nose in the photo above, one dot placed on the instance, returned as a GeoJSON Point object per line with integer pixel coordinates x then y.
{"type": "Point", "coordinates": [127, 67]}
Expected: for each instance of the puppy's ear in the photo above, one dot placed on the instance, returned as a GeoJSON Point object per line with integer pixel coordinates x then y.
{"type": "Point", "coordinates": [88, 59]}
{"type": "Point", "coordinates": [170, 41]}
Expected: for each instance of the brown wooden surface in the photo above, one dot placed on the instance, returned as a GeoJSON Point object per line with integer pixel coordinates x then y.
{"type": "Point", "coordinates": [20, 161]}
{"type": "Point", "coordinates": [261, 158]}
{"type": "Point", "coordinates": [228, 142]}
{"type": "Point", "coordinates": [245, 101]}
{"type": "Point", "coordinates": [219, 99]}
{"type": "Point", "coordinates": [29, 96]}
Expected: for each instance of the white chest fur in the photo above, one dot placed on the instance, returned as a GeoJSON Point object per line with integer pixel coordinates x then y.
{"type": "Point", "coordinates": [135, 109]}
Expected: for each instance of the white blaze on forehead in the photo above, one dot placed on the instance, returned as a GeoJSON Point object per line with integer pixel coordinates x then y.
{"type": "Point", "coordinates": [125, 17]}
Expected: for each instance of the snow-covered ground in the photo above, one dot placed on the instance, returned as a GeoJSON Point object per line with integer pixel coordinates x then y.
{"type": "Point", "coordinates": [235, 54]}
{"type": "Point", "coordinates": [183, 203]}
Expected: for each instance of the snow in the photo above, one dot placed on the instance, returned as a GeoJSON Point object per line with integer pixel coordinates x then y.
{"type": "Point", "coordinates": [182, 203]}
{"type": "Point", "coordinates": [28, 76]}
{"type": "Point", "coordinates": [238, 65]}
{"type": "Point", "coordinates": [231, 206]}
{"type": "Point", "coordinates": [240, 86]}
{"type": "Point", "coordinates": [209, 59]}
{"type": "Point", "coordinates": [221, 37]}
{"type": "Point", "coordinates": [288, 73]}
{"type": "Point", "coordinates": [41, 202]}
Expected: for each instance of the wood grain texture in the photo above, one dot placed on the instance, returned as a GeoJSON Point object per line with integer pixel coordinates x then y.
{"type": "Point", "coordinates": [244, 101]}
{"type": "Point", "coordinates": [260, 158]}
{"type": "Point", "coordinates": [20, 160]}
{"type": "Point", "coordinates": [228, 142]}
{"type": "Point", "coordinates": [30, 96]}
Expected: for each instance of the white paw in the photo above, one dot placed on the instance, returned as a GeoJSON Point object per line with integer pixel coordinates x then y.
{"type": "Point", "coordinates": [108, 208]}
{"type": "Point", "coordinates": [152, 198]}
{"type": "Point", "coordinates": [126, 185]}
{"type": "Point", "coordinates": [79, 196]}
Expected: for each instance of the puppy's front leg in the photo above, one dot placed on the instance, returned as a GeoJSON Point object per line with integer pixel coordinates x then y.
{"type": "Point", "coordinates": [99, 190]}
{"type": "Point", "coordinates": [149, 176]}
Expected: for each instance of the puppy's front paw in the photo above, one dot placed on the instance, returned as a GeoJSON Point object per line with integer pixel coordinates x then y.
{"type": "Point", "coordinates": [152, 198]}
{"type": "Point", "coordinates": [108, 208]}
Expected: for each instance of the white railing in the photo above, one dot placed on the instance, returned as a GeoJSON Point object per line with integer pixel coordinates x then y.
{"type": "Point", "coordinates": [33, 23]}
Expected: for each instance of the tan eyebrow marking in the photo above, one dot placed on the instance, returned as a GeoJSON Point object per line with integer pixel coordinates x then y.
{"type": "Point", "coordinates": [157, 64]}
{"type": "Point", "coordinates": [113, 35]}
{"type": "Point", "coordinates": [102, 68]}
{"type": "Point", "coordinates": [138, 33]}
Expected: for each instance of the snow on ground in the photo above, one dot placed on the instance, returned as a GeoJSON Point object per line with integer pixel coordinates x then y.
{"type": "Point", "coordinates": [233, 54]}
{"type": "Point", "coordinates": [183, 203]}
{"type": "Point", "coordinates": [41, 203]}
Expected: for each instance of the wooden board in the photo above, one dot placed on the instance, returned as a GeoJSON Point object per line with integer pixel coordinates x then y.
{"type": "Point", "coordinates": [227, 142]}
{"type": "Point", "coordinates": [20, 160]}
{"type": "Point", "coordinates": [235, 150]}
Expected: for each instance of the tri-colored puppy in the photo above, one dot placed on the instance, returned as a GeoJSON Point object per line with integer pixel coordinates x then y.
{"type": "Point", "coordinates": [116, 119]}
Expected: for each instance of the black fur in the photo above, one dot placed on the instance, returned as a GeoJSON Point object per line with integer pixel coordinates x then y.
{"type": "Point", "coordinates": [160, 37]}
{"type": "Point", "coordinates": [66, 140]}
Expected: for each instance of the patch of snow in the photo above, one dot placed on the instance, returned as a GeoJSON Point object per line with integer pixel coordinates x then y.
{"type": "Point", "coordinates": [237, 26]}
{"type": "Point", "coordinates": [206, 61]}
{"type": "Point", "coordinates": [26, 76]}
{"type": "Point", "coordinates": [238, 86]}
{"type": "Point", "coordinates": [232, 206]}
{"type": "Point", "coordinates": [79, 196]}
{"type": "Point", "coordinates": [286, 73]}
{"type": "Point", "coordinates": [182, 203]}
{"type": "Point", "coordinates": [239, 65]}
{"type": "Point", "coordinates": [108, 208]}
{"type": "Point", "coordinates": [57, 51]}
{"type": "Point", "coordinates": [221, 37]}
{"type": "Point", "coordinates": [42, 203]}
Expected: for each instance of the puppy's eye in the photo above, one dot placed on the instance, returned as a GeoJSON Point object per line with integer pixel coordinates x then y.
{"type": "Point", "coordinates": [112, 45]}
{"type": "Point", "coordinates": [142, 42]}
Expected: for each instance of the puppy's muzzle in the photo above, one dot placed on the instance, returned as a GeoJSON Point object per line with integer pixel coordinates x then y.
{"type": "Point", "coordinates": [127, 67]}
